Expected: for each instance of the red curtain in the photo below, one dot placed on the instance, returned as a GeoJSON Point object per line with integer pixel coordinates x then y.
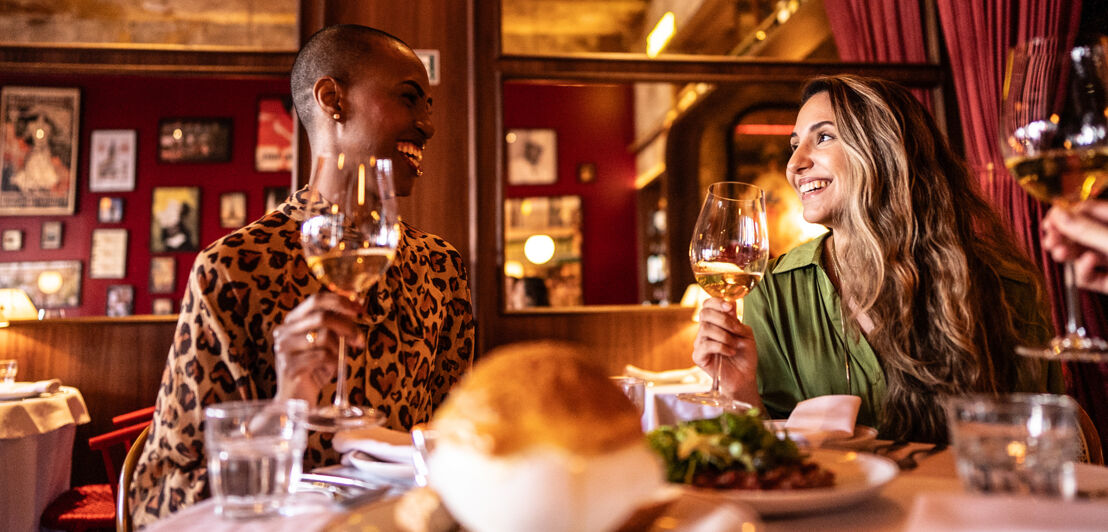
{"type": "Point", "coordinates": [879, 31]}
{"type": "Point", "coordinates": [978, 35]}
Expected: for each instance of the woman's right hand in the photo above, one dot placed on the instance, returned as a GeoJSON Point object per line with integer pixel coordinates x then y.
{"type": "Point", "coordinates": [306, 344]}
{"type": "Point", "coordinates": [721, 334]}
{"type": "Point", "coordinates": [1080, 235]}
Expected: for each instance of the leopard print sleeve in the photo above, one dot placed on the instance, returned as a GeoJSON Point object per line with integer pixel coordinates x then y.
{"type": "Point", "coordinates": [457, 337]}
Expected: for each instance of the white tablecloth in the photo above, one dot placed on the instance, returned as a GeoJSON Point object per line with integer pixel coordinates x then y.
{"type": "Point", "coordinates": [36, 450]}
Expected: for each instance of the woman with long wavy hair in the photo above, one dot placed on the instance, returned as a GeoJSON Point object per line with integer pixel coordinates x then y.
{"type": "Point", "coordinates": [918, 291]}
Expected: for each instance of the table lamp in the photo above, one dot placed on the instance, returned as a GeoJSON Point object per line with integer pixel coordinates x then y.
{"type": "Point", "coordinates": [15, 305]}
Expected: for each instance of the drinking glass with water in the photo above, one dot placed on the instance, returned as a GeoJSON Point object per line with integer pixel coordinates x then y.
{"type": "Point", "coordinates": [1016, 444]}
{"type": "Point", "coordinates": [255, 451]}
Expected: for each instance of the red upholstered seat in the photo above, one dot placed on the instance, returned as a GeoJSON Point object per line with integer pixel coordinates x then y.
{"type": "Point", "coordinates": [82, 508]}
{"type": "Point", "coordinates": [93, 506]}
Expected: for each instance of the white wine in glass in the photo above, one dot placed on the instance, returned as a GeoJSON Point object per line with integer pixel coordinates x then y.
{"type": "Point", "coordinates": [728, 253]}
{"type": "Point", "coordinates": [349, 235]}
{"type": "Point", "coordinates": [1054, 139]}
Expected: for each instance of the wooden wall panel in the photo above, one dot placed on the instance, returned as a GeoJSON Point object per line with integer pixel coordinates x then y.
{"type": "Point", "coordinates": [115, 363]}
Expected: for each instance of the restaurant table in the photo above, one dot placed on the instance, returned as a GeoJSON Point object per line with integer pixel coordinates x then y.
{"type": "Point", "coordinates": [36, 454]}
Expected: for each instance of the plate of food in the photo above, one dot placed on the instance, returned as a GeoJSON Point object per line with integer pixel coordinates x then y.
{"type": "Point", "coordinates": [736, 457]}
{"type": "Point", "coordinates": [863, 439]}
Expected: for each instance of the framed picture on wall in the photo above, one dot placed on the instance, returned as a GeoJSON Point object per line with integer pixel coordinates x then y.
{"type": "Point", "coordinates": [162, 306]}
{"type": "Point", "coordinates": [50, 284]}
{"type": "Point", "coordinates": [51, 237]}
{"type": "Point", "coordinates": [232, 209]}
{"type": "Point", "coordinates": [163, 275]}
{"type": "Point", "coordinates": [109, 210]}
{"type": "Point", "coordinates": [12, 240]}
{"type": "Point", "coordinates": [108, 258]}
{"type": "Point", "coordinates": [194, 140]}
{"type": "Point", "coordinates": [175, 219]}
{"type": "Point", "coordinates": [121, 300]}
{"type": "Point", "coordinates": [38, 172]}
{"type": "Point", "coordinates": [276, 129]}
{"type": "Point", "coordinates": [111, 165]}
{"type": "Point", "coordinates": [532, 156]}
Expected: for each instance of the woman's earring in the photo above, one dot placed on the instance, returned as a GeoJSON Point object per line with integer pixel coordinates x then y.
{"type": "Point", "coordinates": [336, 116]}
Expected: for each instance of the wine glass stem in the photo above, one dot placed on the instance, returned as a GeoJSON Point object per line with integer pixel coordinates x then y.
{"type": "Point", "coordinates": [340, 385]}
{"type": "Point", "coordinates": [1075, 325]}
{"type": "Point", "coordinates": [719, 358]}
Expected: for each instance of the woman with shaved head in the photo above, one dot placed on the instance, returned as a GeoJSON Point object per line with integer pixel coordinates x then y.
{"type": "Point", "coordinates": [256, 324]}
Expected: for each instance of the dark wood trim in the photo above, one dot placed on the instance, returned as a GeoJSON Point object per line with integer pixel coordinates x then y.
{"type": "Point", "coordinates": [154, 61]}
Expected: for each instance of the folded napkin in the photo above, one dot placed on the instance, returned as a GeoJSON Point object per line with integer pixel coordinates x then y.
{"type": "Point", "coordinates": [693, 375]}
{"type": "Point", "coordinates": [966, 513]}
{"type": "Point", "coordinates": [19, 390]}
{"type": "Point", "coordinates": [383, 444]}
{"type": "Point", "coordinates": [823, 418]}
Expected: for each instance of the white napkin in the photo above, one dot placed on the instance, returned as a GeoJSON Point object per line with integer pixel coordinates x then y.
{"type": "Point", "coordinates": [964, 513]}
{"type": "Point", "coordinates": [693, 375]}
{"type": "Point", "coordinates": [383, 444]}
{"type": "Point", "coordinates": [823, 418]}
{"type": "Point", "coordinates": [19, 390]}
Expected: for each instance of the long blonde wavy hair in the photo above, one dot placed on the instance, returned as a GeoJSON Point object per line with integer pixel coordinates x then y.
{"type": "Point", "coordinates": [932, 249]}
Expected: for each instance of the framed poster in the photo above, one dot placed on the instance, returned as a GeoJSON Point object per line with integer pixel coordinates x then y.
{"type": "Point", "coordinates": [108, 258]}
{"type": "Point", "coordinates": [51, 237]}
{"type": "Point", "coordinates": [162, 305]}
{"type": "Point", "coordinates": [51, 284]}
{"type": "Point", "coordinates": [38, 171]}
{"type": "Point", "coordinates": [163, 275]}
{"type": "Point", "coordinates": [110, 210]}
{"type": "Point", "coordinates": [111, 165]}
{"type": "Point", "coordinates": [273, 150]}
{"type": "Point", "coordinates": [532, 156]}
{"type": "Point", "coordinates": [194, 140]}
{"type": "Point", "coordinates": [121, 300]}
{"type": "Point", "coordinates": [12, 240]}
{"type": "Point", "coordinates": [232, 209]}
{"type": "Point", "coordinates": [175, 220]}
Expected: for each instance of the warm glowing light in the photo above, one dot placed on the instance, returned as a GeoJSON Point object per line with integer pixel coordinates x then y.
{"type": "Point", "coordinates": [1054, 118]}
{"type": "Point", "coordinates": [661, 34]}
{"type": "Point", "coordinates": [361, 184]}
{"type": "Point", "coordinates": [513, 268]}
{"type": "Point", "coordinates": [510, 138]}
{"type": "Point", "coordinates": [760, 35]}
{"type": "Point", "coordinates": [538, 249]}
{"type": "Point", "coordinates": [1017, 450]}
{"type": "Point", "coordinates": [40, 133]}
{"type": "Point", "coordinates": [177, 134]}
{"type": "Point", "coordinates": [764, 129]}
{"type": "Point", "coordinates": [49, 282]}
{"type": "Point", "coordinates": [525, 208]}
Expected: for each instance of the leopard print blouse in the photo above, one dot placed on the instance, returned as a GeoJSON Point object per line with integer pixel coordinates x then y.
{"type": "Point", "coordinates": [420, 339]}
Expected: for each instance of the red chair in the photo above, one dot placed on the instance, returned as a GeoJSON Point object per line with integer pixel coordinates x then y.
{"type": "Point", "coordinates": [131, 418]}
{"type": "Point", "coordinates": [93, 506]}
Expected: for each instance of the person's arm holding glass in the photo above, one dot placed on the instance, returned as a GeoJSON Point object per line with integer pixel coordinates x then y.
{"type": "Point", "coordinates": [1080, 235]}
{"type": "Point", "coordinates": [916, 293]}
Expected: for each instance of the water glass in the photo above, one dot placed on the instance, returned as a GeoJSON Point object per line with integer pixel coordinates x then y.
{"type": "Point", "coordinates": [8, 369]}
{"type": "Point", "coordinates": [255, 451]}
{"type": "Point", "coordinates": [423, 439]}
{"type": "Point", "coordinates": [1016, 444]}
{"type": "Point", "coordinates": [635, 390]}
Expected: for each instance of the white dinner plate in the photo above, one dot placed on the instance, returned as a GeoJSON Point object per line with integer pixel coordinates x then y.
{"type": "Point", "coordinates": [863, 439]}
{"type": "Point", "coordinates": [858, 477]}
{"type": "Point", "coordinates": [688, 512]}
{"type": "Point", "coordinates": [385, 444]}
{"type": "Point", "coordinates": [384, 470]}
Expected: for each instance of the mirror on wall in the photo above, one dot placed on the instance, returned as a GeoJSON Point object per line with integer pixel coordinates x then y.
{"type": "Point", "coordinates": [542, 252]}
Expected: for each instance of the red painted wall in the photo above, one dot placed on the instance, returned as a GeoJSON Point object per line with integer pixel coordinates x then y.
{"type": "Point", "coordinates": [125, 102]}
{"type": "Point", "coordinates": [594, 123]}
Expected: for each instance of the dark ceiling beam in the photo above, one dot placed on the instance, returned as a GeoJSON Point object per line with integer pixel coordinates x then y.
{"type": "Point", "coordinates": [146, 60]}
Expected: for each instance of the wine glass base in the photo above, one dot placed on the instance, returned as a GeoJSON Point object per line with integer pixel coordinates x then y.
{"type": "Point", "coordinates": [1071, 348]}
{"type": "Point", "coordinates": [333, 419]}
{"type": "Point", "coordinates": [715, 400]}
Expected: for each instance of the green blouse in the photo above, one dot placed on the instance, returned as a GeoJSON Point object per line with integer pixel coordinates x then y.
{"type": "Point", "coordinates": [803, 349]}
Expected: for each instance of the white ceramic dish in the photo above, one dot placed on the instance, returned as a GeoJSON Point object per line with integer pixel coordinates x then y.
{"type": "Point", "coordinates": [858, 477]}
{"type": "Point", "coordinates": [863, 439]}
{"type": "Point", "coordinates": [384, 470]}
{"type": "Point", "coordinates": [386, 445]}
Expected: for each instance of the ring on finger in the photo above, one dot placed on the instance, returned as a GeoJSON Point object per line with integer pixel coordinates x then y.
{"type": "Point", "coordinates": [310, 337]}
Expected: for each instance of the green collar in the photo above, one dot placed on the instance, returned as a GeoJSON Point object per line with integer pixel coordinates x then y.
{"type": "Point", "coordinates": [806, 254]}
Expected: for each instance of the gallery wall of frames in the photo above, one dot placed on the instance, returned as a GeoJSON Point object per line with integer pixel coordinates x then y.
{"type": "Point", "coordinates": [110, 185]}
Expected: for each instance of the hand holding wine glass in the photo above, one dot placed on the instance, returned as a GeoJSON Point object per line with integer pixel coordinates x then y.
{"type": "Point", "coordinates": [349, 236]}
{"type": "Point", "coordinates": [1054, 138]}
{"type": "Point", "coordinates": [728, 254]}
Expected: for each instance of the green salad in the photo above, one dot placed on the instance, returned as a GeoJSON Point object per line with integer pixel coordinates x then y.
{"type": "Point", "coordinates": [732, 445]}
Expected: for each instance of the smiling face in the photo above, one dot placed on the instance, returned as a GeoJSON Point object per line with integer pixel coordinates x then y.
{"type": "Point", "coordinates": [818, 162]}
{"type": "Point", "coordinates": [386, 112]}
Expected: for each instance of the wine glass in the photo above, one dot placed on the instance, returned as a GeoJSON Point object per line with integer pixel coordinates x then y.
{"type": "Point", "coordinates": [1054, 138]}
{"type": "Point", "coordinates": [349, 236]}
{"type": "Point", "coordinates": [728, 253]}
